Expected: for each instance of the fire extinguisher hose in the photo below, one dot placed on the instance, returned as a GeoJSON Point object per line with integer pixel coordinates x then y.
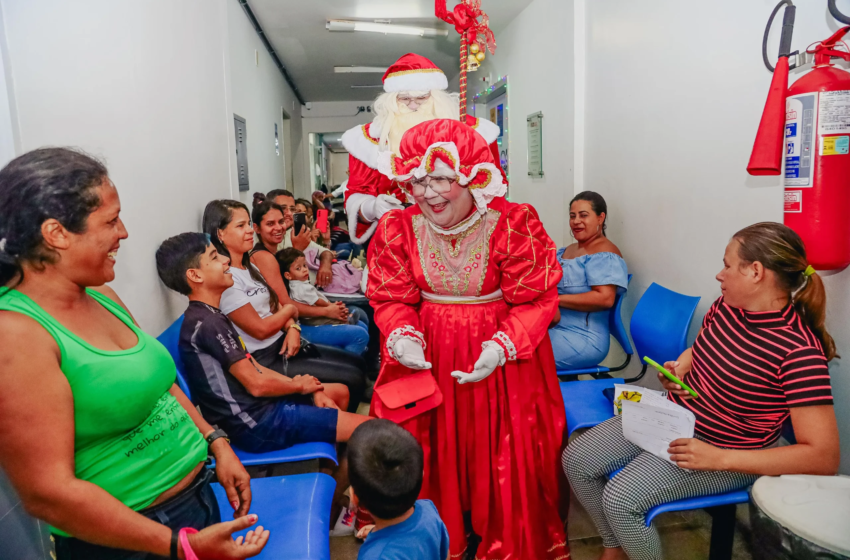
{"type": "Point", "coordinates": [787, 32]}
{"type": "Point", "coordinates": [833, 9]}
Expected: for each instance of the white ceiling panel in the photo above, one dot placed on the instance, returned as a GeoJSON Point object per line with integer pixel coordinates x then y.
{"type": "Point", "coordinates": [296, 30]}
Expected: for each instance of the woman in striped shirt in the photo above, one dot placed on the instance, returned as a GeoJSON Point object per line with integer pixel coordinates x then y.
{"type": "Point", "coordinates": [760, 356]}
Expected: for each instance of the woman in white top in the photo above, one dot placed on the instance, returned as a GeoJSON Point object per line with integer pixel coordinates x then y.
{"type": "Point", "coordinates": [267, 328]}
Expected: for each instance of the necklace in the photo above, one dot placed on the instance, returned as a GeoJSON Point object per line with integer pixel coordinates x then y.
{"type": "Point", "coordinates": [446, 248]}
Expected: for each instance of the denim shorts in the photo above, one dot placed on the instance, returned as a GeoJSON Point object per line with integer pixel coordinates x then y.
{"type": "Point", "coordinates": [288, 421]}
{"type": "Point", "coordinates": [194, 507]}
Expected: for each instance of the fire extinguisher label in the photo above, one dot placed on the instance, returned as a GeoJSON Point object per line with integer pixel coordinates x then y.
{"type": "Point", "coordinates": [834, 145]}
{"type": "Point", "coordinates": [834, 112]}
{"type": "Point", "coordinates": [800, 115]}
{"type": "Point", "coordinates": [793, 202]}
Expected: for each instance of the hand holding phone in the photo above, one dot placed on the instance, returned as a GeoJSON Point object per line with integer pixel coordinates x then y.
{"type": "Point", "coordinates": [299, 221]}
{"type": "Point", "coordinates": [670, 376]}
{"type": "Point", "coordinates": [322, 221]}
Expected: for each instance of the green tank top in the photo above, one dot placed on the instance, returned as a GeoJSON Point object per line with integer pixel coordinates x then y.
{"type": "Point", "coordinates": [131, 436]}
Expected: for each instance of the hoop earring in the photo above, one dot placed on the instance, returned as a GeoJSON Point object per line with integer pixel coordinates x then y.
{"type": "Point", "coordinates": [571, 233]}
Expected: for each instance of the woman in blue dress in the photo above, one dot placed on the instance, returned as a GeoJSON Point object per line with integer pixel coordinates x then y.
{"type": "Point", "coordinates": [594, 273]}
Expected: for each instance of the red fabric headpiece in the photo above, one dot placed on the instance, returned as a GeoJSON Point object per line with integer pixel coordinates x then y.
{"type": "Point", "coordinates": [455, 144]}
{"type": "Point", "coordinates": [412, 72]}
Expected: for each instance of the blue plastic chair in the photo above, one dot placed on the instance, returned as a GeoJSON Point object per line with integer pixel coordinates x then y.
{"type": "Point", "coordinates": [298, 452]}
{"type": "Point", "coordinates": [296, 510]}
{"type": "Point", "coordinates": [659, 327]}
{"type": "Point", "coordinates": [618, 331]}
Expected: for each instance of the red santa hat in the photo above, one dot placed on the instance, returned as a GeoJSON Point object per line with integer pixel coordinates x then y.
{"type": "Point", "coordinates": [414, 73]}
{"type": "Point", "coordinates": [441, 145]}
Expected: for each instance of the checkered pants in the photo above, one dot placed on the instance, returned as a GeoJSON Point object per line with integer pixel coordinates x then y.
{"type": "Point", "coordinates": [618, 507]}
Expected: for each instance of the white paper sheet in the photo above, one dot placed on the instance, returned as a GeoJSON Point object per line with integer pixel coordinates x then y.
{"type": "Point", "coordinates": [634, 393]}
{"type": "Point", "coordinates": [653, 426]}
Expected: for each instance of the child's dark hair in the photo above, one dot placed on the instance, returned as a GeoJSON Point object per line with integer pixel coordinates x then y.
{"type": "Point", "coordinates": [285, 259]}
{"type": "Point", "coordinates": [385, 464]}
{"type": "Point", "coordinates": [178, 254]}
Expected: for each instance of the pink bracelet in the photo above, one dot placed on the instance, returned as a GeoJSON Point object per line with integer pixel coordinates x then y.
{"type": "Point", "coordinates": [188, 553]}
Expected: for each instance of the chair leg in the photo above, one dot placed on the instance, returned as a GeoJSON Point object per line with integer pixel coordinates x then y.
{"type": "Point", "coordinates": [722, 531]}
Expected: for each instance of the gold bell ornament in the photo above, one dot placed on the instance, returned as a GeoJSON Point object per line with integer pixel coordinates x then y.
{"type": "Point", "coordinates": [476, 56]}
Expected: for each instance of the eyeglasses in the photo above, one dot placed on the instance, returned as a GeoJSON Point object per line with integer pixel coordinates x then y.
{"type": "Point", "coordinates": [407, 100]}
{"type": "Point", "coordinates": [440, 185]}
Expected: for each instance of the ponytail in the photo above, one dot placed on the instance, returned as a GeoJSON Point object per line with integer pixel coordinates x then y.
{"type": "Point", "coordinates": [780, 249]}
{"type": "Point", "coordinates": [217, 215]}
{"type": "Point", "coordinates": [810, 303]}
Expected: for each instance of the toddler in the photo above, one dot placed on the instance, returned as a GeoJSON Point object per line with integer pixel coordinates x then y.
{"type": "Point", "coordinates": [351, 335]}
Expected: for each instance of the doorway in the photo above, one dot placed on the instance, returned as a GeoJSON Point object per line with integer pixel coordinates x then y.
{"type": "Point", "coordinates": [285, 147]}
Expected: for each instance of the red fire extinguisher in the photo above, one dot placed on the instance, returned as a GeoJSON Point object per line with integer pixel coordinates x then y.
{"type": "Point", "coordinates": [817, 158]}
{"type": "Point", "coordinates": [808, 125]}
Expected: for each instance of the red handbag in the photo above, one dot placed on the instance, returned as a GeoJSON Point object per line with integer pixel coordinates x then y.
{"type": "Point", "coordinates": [407, 397]}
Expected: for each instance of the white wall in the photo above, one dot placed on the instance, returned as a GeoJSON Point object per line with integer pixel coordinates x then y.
{"type": "Point", "coordinates": [258, 92]}
{"type": "Point", "coordinates": [140, 85]}
{"type": "Point", "coordinates": [328, 116]}
{"type": "Point", "coordinates": [674, 95]}
{"type": "Point", "coordinates": [339, 168]}
{"type": "Point", "coordinates": [21, 535]}
{"type": "Point", "coordinates": [151, 88]}
{"type": "Point", "coordinates": [540, 78]}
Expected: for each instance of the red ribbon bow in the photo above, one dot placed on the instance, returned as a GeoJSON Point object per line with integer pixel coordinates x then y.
{"type": "Point", "coordinates": [465, 19]}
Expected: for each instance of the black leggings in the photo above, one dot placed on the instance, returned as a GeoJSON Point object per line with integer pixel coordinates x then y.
{"type": "Point", "coordinates": [325, 363]}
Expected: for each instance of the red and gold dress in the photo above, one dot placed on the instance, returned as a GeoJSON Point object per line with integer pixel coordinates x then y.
{"type": "Point", "coordinates": [492, 447]}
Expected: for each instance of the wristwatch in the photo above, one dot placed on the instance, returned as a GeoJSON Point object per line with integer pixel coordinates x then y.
{"type": "Point", "coordinates": [218, 433]}
{"type": "Point", "coordinates": [295, 326]}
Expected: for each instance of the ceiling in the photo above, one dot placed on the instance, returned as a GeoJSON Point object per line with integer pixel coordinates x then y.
{"type": "Point", "coordinates": [334, 142]}
{"type": "Point", "coordinates": [296, 30]}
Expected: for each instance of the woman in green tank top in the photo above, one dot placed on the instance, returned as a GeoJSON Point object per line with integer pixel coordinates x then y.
{"type": "Point", "coordinates": [97, 439]}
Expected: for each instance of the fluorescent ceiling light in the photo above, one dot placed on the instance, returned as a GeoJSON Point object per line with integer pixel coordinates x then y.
{"type": "Point", "coordinates": [368, 87]}
{"type": "Point", "coordinates": [360, 69]}
{"type": "Point", "coordinates": [386, 28]}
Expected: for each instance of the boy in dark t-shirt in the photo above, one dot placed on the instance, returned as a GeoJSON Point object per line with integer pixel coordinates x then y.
{"type": "Point", "coordinates": [260, 409]}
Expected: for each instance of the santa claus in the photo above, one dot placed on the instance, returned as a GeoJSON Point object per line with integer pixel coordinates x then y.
{"type": "Point", "coordinates": [414, 92]}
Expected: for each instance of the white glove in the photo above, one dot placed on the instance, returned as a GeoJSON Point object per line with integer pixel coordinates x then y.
{"type": "Point", "coordinates": [488, 361]}
{"type": "Point", "coordinates": [375, 207]}
{"type": "Point", "coordinates": [410, 354]}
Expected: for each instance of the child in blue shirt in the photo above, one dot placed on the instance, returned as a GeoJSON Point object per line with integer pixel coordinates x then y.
{"type": "Point", "coordinates": [385, 465]}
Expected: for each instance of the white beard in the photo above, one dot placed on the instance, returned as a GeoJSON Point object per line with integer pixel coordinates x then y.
{"type": "Point", "coordinates": [407, 119]}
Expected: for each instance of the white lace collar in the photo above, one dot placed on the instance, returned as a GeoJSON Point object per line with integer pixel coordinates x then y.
{"type": "Point", "coordinates": [464, 225]}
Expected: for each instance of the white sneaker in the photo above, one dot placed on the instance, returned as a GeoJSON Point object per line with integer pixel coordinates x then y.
{"type": "Point", "coordinates": [345, 524]}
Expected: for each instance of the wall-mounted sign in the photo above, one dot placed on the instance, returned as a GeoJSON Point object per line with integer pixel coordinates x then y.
{"type": "Point", "coordinates": [535, 144]}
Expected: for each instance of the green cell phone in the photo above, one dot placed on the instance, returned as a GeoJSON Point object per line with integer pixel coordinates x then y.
{"type": "Point", "coordinates": [670, 376]}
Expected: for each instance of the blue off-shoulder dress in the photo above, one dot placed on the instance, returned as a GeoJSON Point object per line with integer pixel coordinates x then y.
{"type": "Point", "coordinates": [581, 339]}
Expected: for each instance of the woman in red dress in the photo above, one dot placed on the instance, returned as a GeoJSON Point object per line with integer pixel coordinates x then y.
{"type": "Point", "coordinates": [464, 283]}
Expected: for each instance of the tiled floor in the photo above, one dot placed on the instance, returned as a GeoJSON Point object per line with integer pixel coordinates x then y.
{"type": "Point", "coordinates": [684, 536]}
